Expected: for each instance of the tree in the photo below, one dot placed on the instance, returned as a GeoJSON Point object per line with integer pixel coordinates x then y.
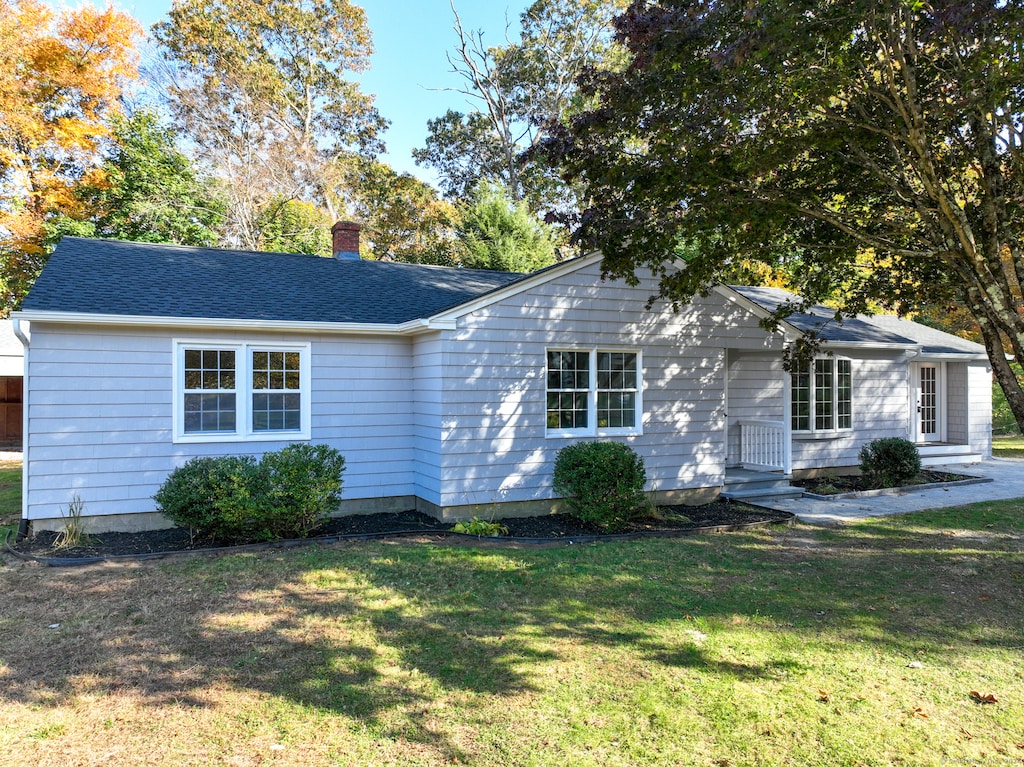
{"type": "Point", "coordinates": [518, 88]}
{"type": "Point", "coordinates": [149, 191]}
{"type": "Point", "coordinates": [403, 218]}
{"type": "Point", "coordinates": [294, 226]}
{"type": "Point", "coordinates": [501, 234]}
{"type": "Point", "coordinates": [61, 77]}
{"type": "Point", "coordinates": [261, 90]}
{"type": "Point", "coordinates": [878, 142]}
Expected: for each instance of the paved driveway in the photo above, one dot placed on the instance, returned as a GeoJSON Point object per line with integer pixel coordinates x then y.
{"type": "Point", "coordinates": [1007, 482]}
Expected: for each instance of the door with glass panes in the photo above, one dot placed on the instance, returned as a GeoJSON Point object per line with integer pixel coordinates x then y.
{"type": "Point", "coordinates": [927, 412]}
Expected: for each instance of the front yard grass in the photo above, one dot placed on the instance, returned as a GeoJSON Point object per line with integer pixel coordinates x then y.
{"type": "Point", "coordinates": [788, 646]}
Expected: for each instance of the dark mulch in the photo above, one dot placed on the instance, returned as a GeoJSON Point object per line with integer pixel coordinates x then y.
{"type": "Point", "coordinates": [830, 485]}
{"type": "Point", "coordinates": [670, 519]}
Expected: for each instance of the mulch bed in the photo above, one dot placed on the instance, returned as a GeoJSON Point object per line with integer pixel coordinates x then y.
{"type": "Point", "coordinates": [673, 520]}
{"type": "Point", "coordinates": [830, 485]}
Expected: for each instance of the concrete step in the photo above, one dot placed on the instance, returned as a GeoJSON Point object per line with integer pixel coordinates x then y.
{"type": "Point", "coordinates": [950, 458]}
{"type": "Point", "coordinates": [752, 494]}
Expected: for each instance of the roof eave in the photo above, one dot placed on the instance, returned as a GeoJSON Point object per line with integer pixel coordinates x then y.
{"type": "Point", "coordinates": [789, 331]}
{"type": "Point", "coordinates": [410, 327]}
{"type": "Point", "coordinates": [515, 288]}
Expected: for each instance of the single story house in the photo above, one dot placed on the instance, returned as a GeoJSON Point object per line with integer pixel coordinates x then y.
{"type": "Point", "coordinates": [448, 390]}
{"type": "Point", "coordinates": [11, 364]}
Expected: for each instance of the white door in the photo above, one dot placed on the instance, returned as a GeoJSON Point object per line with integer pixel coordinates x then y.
{"type": "Point", "coordinates": [928, 412]}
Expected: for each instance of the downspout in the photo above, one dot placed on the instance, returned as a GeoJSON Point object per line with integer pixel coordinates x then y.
{"type": "Point", "coordinates": [24, 335]}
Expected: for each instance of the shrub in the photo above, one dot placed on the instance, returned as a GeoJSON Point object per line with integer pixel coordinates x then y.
{"type": "Point", "coordinates": [304, 486]}
{"type": "Point", "coordinates": [237, 499]}
{"type": "Point", "coordinates": [602, 482]}
{"type": "Point", "coordinates": [890, 461]}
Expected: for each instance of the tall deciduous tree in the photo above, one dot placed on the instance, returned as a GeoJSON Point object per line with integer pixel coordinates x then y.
{"type": "Point", "coordinates": [518, 89]}
{"type": "Point", "coordinates": [262, 91]}
{"type": "Point", "coordinates": [61, 76]}
{"type": "Point", "coordinates": [879, 141]}
{"type": "Point", "coordinates": [149, 191]}
{"type": "Point", "coordinates": [403, 218]}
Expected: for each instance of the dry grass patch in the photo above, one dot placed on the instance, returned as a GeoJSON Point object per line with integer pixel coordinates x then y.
{"type": "Point", "coordinates": [859, 645]}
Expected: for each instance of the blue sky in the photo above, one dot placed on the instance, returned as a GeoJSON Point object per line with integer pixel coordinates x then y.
{"type": "Point", "coordinates": [409, 69]}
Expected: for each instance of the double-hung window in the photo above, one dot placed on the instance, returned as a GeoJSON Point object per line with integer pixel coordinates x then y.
{"type": "Point", "coordinates": [240, 391]}
{"type": "Point", "coordinates": [593, 392]}
{"type": "Point", "coordinates": [821, 395]}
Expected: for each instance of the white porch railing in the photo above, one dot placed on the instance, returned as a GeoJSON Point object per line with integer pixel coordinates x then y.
{"type": "Point", "coordinates": [764, 446]}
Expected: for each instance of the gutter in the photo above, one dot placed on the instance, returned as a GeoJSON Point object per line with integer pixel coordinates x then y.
{"type": "Point", "coordinates": [25, 336]}
{"type": "Point", "coordinates": [411, 327]}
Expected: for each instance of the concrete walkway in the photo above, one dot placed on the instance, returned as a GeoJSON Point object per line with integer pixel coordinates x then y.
{"type": "Point", "coordinates": [1007, 475]}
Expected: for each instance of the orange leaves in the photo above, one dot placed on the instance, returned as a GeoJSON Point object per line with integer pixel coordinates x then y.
{"type": "Point", "coordinates": [977, 697]}
{"type": "Point", "coordinates": [61, 78]}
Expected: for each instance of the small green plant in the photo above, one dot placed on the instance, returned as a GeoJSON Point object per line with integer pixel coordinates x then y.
{"type": "Point", "coordinates": [481, 527]}
{"type": "Point", "coordinates": [602, 482]}
{"type": "Point", "coordinates": [237, 499]}
{"type": "Point", "coordinates": [74, 528]}
{"type": "Point", "coordinates": [890, 461]}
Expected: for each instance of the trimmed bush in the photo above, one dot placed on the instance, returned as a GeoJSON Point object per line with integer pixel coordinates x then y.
{"type": "Point", "coordinates": [237, 499]}
{"type": "Point", "coordinates": [603, 482]}
{"type": "Point", "coordinates": [890, 461]}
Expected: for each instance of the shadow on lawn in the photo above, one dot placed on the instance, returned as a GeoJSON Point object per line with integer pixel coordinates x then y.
{"type": "Point", "coordinates": [381, 632]}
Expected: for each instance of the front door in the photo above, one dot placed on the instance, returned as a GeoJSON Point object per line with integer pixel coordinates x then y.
{"type": "Point", "coordinates": [928, 411]}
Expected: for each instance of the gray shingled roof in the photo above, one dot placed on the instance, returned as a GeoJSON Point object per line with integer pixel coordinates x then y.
{"type": "Point", "coordinates": [876, 329]}
{"type": "Point", "coordinates": [112, 277]}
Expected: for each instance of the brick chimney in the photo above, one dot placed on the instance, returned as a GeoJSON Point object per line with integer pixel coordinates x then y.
{"type": "Point", "coordinates": [345, 239]}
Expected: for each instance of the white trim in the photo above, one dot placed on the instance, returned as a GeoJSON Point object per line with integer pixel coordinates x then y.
{"type": "Point", "coordinates": [519, 286]}
{"type": "Point", "coordinates": [789, 332]}
{"type": "Point", "coordinates": [204, 323]}
{"type": "Point", "coordinates": [243, 392]}
{"type": "Point", "coordinates": [25, 336]}
{"type": "Point", "coordinates": [592, 430]}
{"type": "Point", "coordinates": [941, 410]}
{"type": "Point", "coordinates": [836, 430]}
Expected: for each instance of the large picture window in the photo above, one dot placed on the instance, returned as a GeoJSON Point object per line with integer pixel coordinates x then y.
{"type": "Point", "coordinates": [591, 392]}
{"type": "Point", "coordinates": [237, 391]}
{"type": "Point", "coordinates": [821, 395]}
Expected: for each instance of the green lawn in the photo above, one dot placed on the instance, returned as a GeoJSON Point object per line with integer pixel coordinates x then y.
{"type": "Point", "coordinates": [793, 646]}
{"type": "Point", "coordinates": [10, 496]}
{"type": "Point", "coordinates": [1008, 447]}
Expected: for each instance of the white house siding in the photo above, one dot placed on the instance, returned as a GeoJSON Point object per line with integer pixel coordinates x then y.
{"type": "Point", "coordinates": [494, 404]}
{"type": "Point", "coordinates": [979, 383]}
{"type": "Point", "coordinates": [958, 416]}
{"type": "Point", "coordinates": [756, 391]}
{"type": "Point", "coordinates": [880, 409]}
{"type": "Point", "coordinates": [427, 375]}
{"type": "Point", "coordinates": [100, 412]}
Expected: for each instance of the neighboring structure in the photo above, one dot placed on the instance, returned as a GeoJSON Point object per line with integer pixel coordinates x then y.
{"type": "Point", "coordinates": [447, 390]}
{"type": "Point", "coordinates": [12, 361]}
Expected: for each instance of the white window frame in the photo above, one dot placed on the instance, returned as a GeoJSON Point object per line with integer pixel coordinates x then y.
{"type": "Point", "coordinates": [592, 429]}
{"type": "Point", "coordinates": [812, 398]}
{"type": "Point", "coordinates": [244, 431]}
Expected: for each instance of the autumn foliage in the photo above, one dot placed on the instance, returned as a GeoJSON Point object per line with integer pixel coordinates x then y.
{"type": "Point", "coordinates": [61, 78]}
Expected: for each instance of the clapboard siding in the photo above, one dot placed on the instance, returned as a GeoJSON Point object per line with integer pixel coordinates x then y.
{"type": "Point", "coordinates": [979, 383]}
{"type": "Point", "coordinates": [427, 366]}
{"type": "Point", "coordinates": [880, 409]}
{"type": "Point", "coordinates": [100, 415]}
{"type": "Point", "coordinates": [495, 443]}
{"type": "Point", "coordinates": [755, 391]}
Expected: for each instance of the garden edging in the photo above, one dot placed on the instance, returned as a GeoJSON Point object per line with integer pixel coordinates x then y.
{"type": "Point", "coordinates": [895, 490]}
{"type": "Point", "coordinates": [495, 542]}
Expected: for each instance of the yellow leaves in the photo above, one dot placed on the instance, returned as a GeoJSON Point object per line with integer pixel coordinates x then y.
{"type": "Point", "coordinates": [61, 78]}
